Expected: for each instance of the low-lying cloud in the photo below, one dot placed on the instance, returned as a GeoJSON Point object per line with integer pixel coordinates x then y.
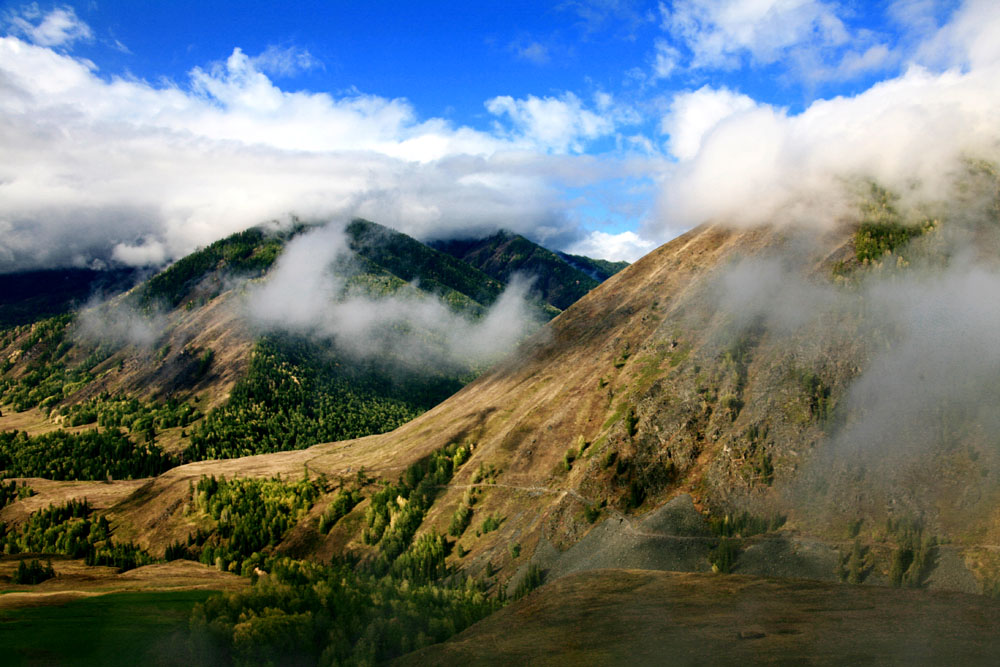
{"type": "Point", "coordinates": [920, 334]}
{"type": "Point", "coordinates": [747, 163]}
{"type": "Point", "coordinates": [309, 292]}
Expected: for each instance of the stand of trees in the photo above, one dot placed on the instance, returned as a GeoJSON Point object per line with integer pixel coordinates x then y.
{"type": "Point", "coordinates": [353, 612]}
{"type": "Point", "coordinates": [306, 613]}
{"type": "Point", "coordinates": [137, 416]}
{"type": "Point", "coordinates": [251, 515]}
{"type": "Point", "coordinates": [61, 455]}
{"type": "Point", "coordinates": [297, 394]}
{"type": "Point", "coordinates": [68, 529]}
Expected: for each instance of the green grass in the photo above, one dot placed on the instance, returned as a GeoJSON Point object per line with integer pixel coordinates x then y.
{"type": "Point", "coordinates": [113, 629]}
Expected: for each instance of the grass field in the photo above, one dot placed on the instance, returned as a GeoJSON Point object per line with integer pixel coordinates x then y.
{"type": "Point", "coordinates": [147, 628]}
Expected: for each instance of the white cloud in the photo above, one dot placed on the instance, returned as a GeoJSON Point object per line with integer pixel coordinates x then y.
{"type": "Point", "coordinates": [60, 27]}
{"type": "Point", "coordinates": [627, 246]}
{"type": "Point", "coordinates": [968, 40]}
{"type": "Point", "coordinates": [151, 253]}
{"type": "Point", "coordinates": [92, 164]}
{"type": "Point", "coordinates": [764, 164]}
{"type": "Point", "coordinates": [560, 124]}
{"type": "Point", "coordinates": [667, 59]}
{"type": "Point", "coordinates": [755, 164]}
{"type": "Point", "coordinates": [693, 114]}
{"type": "Point", "coordinates": [720, 34]}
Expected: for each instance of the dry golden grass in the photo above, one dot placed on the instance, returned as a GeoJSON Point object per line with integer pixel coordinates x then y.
{"type": "Point", "coordinates": [74, 579]}
{"type": "Point", "coordinates": [100, 495]}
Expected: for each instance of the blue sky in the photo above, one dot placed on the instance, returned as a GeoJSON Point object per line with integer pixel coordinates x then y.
{"type": "Point", "coordinates": [138, 131]}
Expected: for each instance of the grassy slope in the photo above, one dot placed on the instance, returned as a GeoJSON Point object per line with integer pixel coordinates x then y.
{"type": "Point", "coordinates": [624, 371]}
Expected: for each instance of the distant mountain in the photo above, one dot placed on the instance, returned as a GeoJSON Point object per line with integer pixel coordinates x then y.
{"type": "Point", "coordinates": [29, 296]}
{"type": "Point", "coordinates": [598, 269]}
{"type": "Point", "coordinates": [560, 279]}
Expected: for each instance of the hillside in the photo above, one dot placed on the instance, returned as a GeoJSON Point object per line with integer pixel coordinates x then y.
{"type": "Point", "coordinates": [737, 401]}
{"type": "Point", "coordinates": [181, 364]}
{"type": "Point", "coordinates": [644, 618]}
{"type": "Point", "coordinates": [560, 279]}
{"type": "Point", "coordinates": [646, 389]}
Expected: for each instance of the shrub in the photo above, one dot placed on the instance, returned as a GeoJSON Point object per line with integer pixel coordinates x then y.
{"type": "Point", "coordinates": [33, 573]}
{"type": "Point", "coordinates": [568, 459]}
{"type": "Point", "coordinates": [491, 523]}
{"type": "Point", "coordinates": [723, 556]}
{"type": "Point", "coordinates": [529, 582]}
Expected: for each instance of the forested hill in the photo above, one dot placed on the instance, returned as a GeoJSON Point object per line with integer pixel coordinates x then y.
{"type": "Point", "coordinates": [204, 382]}
{"type": "Point", "coordinates": [410, 260]}
{"type": "Point", "coordinates": [561, 279]}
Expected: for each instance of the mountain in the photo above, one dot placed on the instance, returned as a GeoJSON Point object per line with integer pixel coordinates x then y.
{"type": "Point", "coordinates": [800, 403]}
{"type": "Point", "coordinates": [560, 279]}
{"type": "Point", "coordinates": [646, 389]}
{"type": "Point", "coordinates": [29, 296]}
{"type": "Point", "coordinates": [177, 360]}
{"type": "Point", "coordinates": [598, 269]}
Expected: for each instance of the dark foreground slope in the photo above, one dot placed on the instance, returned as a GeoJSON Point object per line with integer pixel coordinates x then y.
{"type": "Point", "coordinates": [636, 617]}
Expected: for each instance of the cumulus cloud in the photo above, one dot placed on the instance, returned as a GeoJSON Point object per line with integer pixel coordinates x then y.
{"type": "Point", "coordinates": [627, 246]}
{"type": "Point", "coordinates": [309, 293]}
{"type": "Point", "coordinates": [756, 163]}
{"type": "Point", "coordinates": [118, 167]}
{"type": "Point", "coordinates": [59, 27]}
{"type": "Point", "coordinates": [560, 124]}
{"type": "Point", "coordinates": [693, 114]}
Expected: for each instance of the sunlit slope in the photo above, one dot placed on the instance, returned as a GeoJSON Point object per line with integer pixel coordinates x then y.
{"type": "Point", "coordinates": [741, 400]}
{"type": "Point", "coordinates": [524, 414]}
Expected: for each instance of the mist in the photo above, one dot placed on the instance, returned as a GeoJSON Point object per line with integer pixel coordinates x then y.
{"type": "Point", "coordinates": [310, 292]}
{"type": "Point", "coordinates": [908, 347]}
{"type": "Point", "coordinates": [116, 323]}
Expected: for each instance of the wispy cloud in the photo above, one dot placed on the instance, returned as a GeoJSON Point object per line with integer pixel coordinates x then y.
{"type": "Point", "coordinates": [285, 61]}
{"type": "Point", "coordinates": [59, 27]}
{"type": "Point", "coordinates": [532, 51]}
{"type": "Point", "coordinates": [306, 294]}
